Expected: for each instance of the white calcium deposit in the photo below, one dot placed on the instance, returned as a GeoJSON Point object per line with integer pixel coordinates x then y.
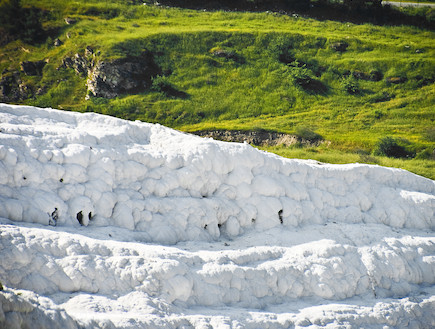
{"type": "Point", "coordinates": [106, 223]}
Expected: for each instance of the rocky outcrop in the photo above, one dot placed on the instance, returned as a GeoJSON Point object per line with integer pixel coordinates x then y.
{"type": "Point", "coordinates": [57, 42]}
{"type": "Point", "coordinates": [79, 63]}
{"type": "Point", "coordinates": [109, 79]}
{"type": "Point", "coordinates": [340, 46]}
{"type": "Point", "coordinates": [13, 89]}
{"type": "Point", "coordinates": [122, 76]}
{"type": "Point", "coordinates": [260, 137]}
{"type": "Point", "coordinates": [33, 68]}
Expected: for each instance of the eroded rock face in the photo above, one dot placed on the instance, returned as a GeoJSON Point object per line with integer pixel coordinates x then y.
{"type": "Point", "coordinates": [122, 76]}
{"type": "Point", "coordinates": [79, 63]}
{"type": "Point", "coordinates": [126, 75]}
{"type": "Point", "coordinates": [13, 89]}
{"type": "Point", "coordinates": [263, 138]}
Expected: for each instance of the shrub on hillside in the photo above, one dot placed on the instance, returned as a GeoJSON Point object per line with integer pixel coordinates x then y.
{"type": "Point", "coordinates": [350, 85]}
{"type": "Point", "coordinates": [307, 134]}
{"type": "Point", "coordinates": [300, 74]}
{"type": "Point", "coordinates": [394, 148]}
{"type": "Point", "coordinates": [160, 84]}
{"type": "Point", "coordinates": [281, 47]}
{"type": "Point", "coordinates": [303, 77]}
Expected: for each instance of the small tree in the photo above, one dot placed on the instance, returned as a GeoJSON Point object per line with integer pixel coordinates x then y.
{"type": "Point", "coordinates": [300, 74]}
{"type": "Point", "coordinates": [350, 85]}
{"type": "Point", "coordinates": [161, 84]}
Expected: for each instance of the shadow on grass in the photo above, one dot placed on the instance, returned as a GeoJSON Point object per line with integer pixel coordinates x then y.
{"type": "Point", "coordinates": [358, 13]}
{"type": "Point", "coordinates": [315, 87]}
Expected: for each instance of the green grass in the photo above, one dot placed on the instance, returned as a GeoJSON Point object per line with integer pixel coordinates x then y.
{"type": "Point", "coordinates": [255, 89]}
{"type": "Point", "coordinates": [330, 155]}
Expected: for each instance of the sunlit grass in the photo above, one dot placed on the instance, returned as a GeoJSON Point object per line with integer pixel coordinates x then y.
{"type": "Point", "coordinates": [327, 155]}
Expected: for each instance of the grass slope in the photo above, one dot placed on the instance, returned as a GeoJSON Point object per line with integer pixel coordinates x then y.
{"type": "Point", "coordinates": [258, 83]}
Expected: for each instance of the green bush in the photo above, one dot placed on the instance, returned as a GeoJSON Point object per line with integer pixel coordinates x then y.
{"type": "Point", "coordinates": [350, 85]}
{"type": "Point", "coordinates": [300, 74]}
{"type": "Point", "coordinates": [394, 148]}
{"type": "Point", "coordinates": [161, 84]}
{"type": "Point", "coordinates": [281, 48]}
{"type": "Point", "coordinates": [308, 134]}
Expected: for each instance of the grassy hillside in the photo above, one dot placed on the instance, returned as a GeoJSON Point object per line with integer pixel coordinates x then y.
{"type": "Point", "coordinates": [249, 71]}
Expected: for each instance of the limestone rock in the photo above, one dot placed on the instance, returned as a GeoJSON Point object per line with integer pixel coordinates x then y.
{"type": "Point", "coordinates": [57, 42]}
{"type": "Point", "coordinates": [79, 63]}
{"type": "Point", "coordinates": [260, 137]}
{"type": "Point", "coordinates": [121, 76]}
{"type": "Point", "coordinates": [109, 79]}
{"type": "Point", "coordinates": [13, 89]}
